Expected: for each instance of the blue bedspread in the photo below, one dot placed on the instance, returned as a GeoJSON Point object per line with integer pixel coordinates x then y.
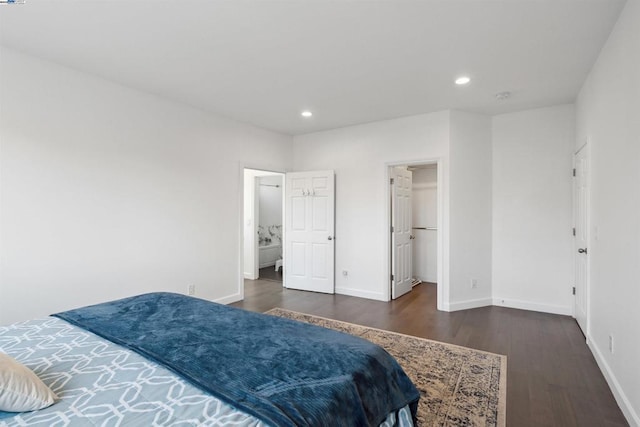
{"type": "Point", "coordinates": [284, 372]}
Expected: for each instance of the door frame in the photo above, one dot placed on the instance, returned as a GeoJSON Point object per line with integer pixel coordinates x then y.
{"type": "Point", "coordinates": [239, 296]}
{"type": "Point", "coordinates": [587, 288]}
{"type": "Point", "coordinates": [442, 233]}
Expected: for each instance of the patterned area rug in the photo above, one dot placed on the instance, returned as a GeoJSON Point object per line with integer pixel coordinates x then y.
{"type": "Point", "coordinates": [459, 386]}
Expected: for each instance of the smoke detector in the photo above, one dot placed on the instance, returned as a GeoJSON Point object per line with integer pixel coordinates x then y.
{"type": "Point", "coordinates": [501, 96]}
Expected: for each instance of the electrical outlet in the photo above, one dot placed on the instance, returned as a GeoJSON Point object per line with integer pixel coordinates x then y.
{"type": "Point", "coordinates": [611, 344]}
{"type": "Point", "coordinates": [191, 290]}
{"type": "Point", "coordinates": [474, 283]}
{"type": "Point", "coordinates": [345, 273]}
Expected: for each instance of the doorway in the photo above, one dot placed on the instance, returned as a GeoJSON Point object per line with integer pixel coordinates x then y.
{"type": "Point", "coordinates": [415, 238]}
{"type": "Point", "coordinates": [263, 225]}
{"type": "Point", "coordinates": [291, 237]}
{"type": "Point", "coordinates": [425, 222]}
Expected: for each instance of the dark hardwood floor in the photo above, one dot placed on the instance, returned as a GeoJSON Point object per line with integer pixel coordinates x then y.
{"type": "Point", "coordinates": [552, 377]}
{"type": "Point", "coordinates": [270, 273]}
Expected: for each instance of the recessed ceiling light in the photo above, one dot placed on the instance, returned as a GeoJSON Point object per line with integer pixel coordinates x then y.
{"type": "Point", "coordinates": [462, 80]}
{"type": "Point", "coordinates": [306, 114]}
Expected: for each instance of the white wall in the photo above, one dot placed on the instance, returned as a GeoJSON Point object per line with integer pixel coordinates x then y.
{"type": "Point", "coordinates": [470, 207]}
{"type": "Point", "coordinates": [107, 192]}
{"type": "Point", "coordinates": [360, 156]}
{"type": "Point", "coordinates": [608, 116]}
{"type": "Point", "coordinates": [532, 209]}
{"type": "Point", "coordinates": [427, 176]}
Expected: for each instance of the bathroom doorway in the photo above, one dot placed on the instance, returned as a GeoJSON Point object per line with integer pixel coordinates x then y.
{"type": "Point", "coordinates": [263, 224]}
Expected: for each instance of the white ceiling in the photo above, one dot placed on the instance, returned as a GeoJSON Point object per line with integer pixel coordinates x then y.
{"type": "Point", "coordinates": [262, 61]}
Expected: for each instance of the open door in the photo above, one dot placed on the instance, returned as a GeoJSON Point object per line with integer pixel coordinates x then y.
{"type": "Point", "coordinates": [401, 237]}
{"type": "Point", "coordinates": [309, 231]}
{"type": "Point", "coordinates": [581, 241]}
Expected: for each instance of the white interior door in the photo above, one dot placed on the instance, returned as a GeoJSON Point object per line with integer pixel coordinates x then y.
{"type": "Point", "coordinates": [401, 237]}
{"type": "Point", "coordinates": [309, 231]}
{"type": "Point", "coordinates": [581, 211]}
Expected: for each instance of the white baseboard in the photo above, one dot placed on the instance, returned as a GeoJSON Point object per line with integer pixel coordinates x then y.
{"type": "Point", "coordinates": [627, 409]}
{"type": "Point", "coordinates": [229, 299]}
{"type": "Point", "coordinates": [427, 279]}
{"type": "Point", "coordinates": [249, 276]}
{"type": "Point", "coordinates": [360, 293]}
{"type": "Point", "coordinates": [468, 304]}
{"type": "Point", "coordinates": [532, 306]}
{"type": "Point", "coordinates": [445, 307]}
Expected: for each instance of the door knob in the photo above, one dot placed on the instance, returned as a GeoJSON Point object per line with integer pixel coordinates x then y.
{"type": "Point", "coordinates": [582, 250]}
{"type": "Point", "coordinates": [329, 238]}
{"type": "Point", "coordinates": [412, 237]}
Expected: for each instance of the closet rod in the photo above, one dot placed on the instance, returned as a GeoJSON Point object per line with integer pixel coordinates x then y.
{"type": "Point", "coordinates": [425, 228]}
{"type": "Point", "coordinates": [270, 185]}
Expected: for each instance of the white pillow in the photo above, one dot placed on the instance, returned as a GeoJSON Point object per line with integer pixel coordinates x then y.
{"type": "Point", "coordinates": [20, 389]}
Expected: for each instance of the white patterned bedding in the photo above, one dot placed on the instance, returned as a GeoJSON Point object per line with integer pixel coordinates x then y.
{"type": "Point", "coordinates": [101, 383]}
{"type": "Point", "coordinates": [104, 384]}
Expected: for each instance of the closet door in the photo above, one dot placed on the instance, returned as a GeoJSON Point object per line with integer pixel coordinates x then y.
{"type": "Point", "coordinates": [401, 237]}
{"type": "Point", "coordinates": [309, 231]}
{"type": "Point", "coordinates": [581, 240]}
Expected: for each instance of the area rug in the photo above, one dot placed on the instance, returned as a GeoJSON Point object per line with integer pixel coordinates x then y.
{"type": "Point", "coordinates": [458, 386]}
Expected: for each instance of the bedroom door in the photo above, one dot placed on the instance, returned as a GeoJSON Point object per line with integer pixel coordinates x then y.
{"type": "Point", "coordinates": [401, 237]}
{"type": "Point", "coordinates": [581, 210]}
{"type": "Point", "coordinates": [309, 231]}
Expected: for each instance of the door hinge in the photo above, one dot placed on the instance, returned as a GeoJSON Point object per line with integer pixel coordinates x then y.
{"type": "Point", "coordinates": [391, 181]}
{"type": "Point", "coordinates": [392, 229]}
{"type": "Point", "coordinates": [574, 290]}
{"type": "Point", "coordinates": [574, 171]}
{"type": "Point", "coordinates": [392, 277]}
{"type": "Point", "coordinates": [574, 231]}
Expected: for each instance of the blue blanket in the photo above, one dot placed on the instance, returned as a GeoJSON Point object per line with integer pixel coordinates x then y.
{"type": "Point", "coordinates": [283, 372]}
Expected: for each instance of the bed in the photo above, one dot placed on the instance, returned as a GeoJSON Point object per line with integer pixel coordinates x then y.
{"type": "Point", "coordinates": [170, 360]}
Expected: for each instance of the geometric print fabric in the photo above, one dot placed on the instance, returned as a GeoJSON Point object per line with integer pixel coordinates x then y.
{"type": "Point", "coordinates": [103, 384]}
